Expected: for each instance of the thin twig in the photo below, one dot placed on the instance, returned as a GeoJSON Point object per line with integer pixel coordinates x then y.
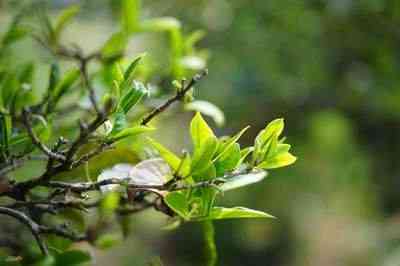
{"type": "Point", "coordinates": [36, 141]}
{"type": "Point", "coordinates": [33, 226]}
{"type": "Point", "coordinates": [178, 96]}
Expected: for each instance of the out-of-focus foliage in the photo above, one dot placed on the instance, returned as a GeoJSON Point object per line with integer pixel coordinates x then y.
{"type": "Point", "coordinates": [330, 67]}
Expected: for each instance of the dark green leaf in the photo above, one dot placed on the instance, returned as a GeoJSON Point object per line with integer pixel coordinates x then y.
{"type": "Point", "coordinates": [72, 257]}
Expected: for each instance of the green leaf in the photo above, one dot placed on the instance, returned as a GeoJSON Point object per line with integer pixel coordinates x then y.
{"type": "Point", "coordinates": [130, 15]}
{"type": "Point", "coordinates": [65, 84]}
{"type": "Point", "coordinates": [208, 109]}
{"type": "Point", "coordinates": [106, 241]}
{"type": "Point", "coordinates": [200, 131]}
{"type": "Point", "coordinates": [15, 32]}
{"type": "Point", "coordinates": [229, 160]}
{"type": "Point", "coordinates": [131, 132]}
{"type": "Point", "coordinates": [178, 203]}
{"type": "Point", "coordinates": [5, 134]}
{"type": "Point", "coordinates": [167, 155]}
{"type": "Point", "coordinates": [114, 46]}
{"type": "Point", "coordinates": [109, 203]}
{"type": "Point", "coordinates": [64, 18]}
{"type": "Point", "coordinates": [184, 168]}
{"type": "Point", "coordinates": [202, 158]}
{"type": "Point", "coordinates": [218, 213]}
{"type": "Point", "coordinates": [119, 122]}
{"type": "Point", "coordinates": [244, 153]}
{"type": "Point", "coordinates": [226, 145]}
{"type": "Point", "coordinates": [72, 257]}
{"type": "Point", "coordinates": [128, 75]}
{"type": "Point", "coordinates": [279, 160]}
{"type": "Point", "coordinates": [266, 138]}
{"type": "Point", "coordinates": [243, 180]}
{"type": "Point", "coordinates": [132, 96]}
{"type": "Point", "coordinates": [161, 24]}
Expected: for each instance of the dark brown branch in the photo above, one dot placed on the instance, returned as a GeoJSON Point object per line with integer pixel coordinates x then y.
{"type": "Point", "coordinates": [178, 96]}
{"type": "Point", "coordinates": [63, 232]}
{"type": "Point", "coordinates": [86, 157]}
{"type": "Point", "coordinates": [33, 226]}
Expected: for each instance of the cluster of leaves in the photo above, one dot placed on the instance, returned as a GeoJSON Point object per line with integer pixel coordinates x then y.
{"type": "Point", "coordinates": [111, 105]}
{"type": "Point", "coordinates": [221, 165]}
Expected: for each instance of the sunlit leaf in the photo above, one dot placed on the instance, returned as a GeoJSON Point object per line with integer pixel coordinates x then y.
{"type": "Point", "coordinates": [131, 132]}
{"type": "Point", "coordinates": [203, 155]}
{"type": "Point", "coordinates": [200, 131]}
{"type": "Point", "coordinates": [173, 160]}
{"type": "Point", "coordinates": [178, 203]}
{"type": "Point", "coordinates": [279, 160]}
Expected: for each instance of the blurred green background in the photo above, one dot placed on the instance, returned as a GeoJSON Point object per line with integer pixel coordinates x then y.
{"type": "Point", "coordinates": [331, 68]}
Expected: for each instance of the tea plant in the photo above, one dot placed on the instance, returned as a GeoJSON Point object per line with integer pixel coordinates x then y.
{"type": "Point", "coordinates": [80, 172]}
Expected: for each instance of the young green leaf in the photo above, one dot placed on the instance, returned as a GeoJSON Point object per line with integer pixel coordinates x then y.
{"type": "Point", "coordinates": [64, 18]}
{"type": "Point", "coordinates": [114, 47]}
{"type": "Point", "coordinates": [203, 154]}
{"type": "Point", "coordinates": [109, 203]}
{"type": "Point", "coordinates": [128, 75]}
{"type": "Point", "coordinates": [227, 144]}
{"type": "Point", "coordinates": [178, 203]}
{"type": "Point", "coordinates": [131, 132]}
{"type": "Point", "coordinates": [167, 155]}
{"type": "Point", "coordinates": [132, 96]}
{"type": "Point", "coordinates": [200, 131]}
{"type": "Point", "coordinates": [64, 85]}
{"type": "Point", "coordinates": [264, 138]}
{"type": "Point", "coordinates": [208, 109]}
{"type": "Point", "coordinates": [279, 160]}
{"type": "Point", "coordinates": [229, 160]}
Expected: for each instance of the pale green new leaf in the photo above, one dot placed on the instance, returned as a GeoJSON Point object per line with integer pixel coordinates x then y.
{"type": "Point", "coordinates": [178, 203]}
{"type": "Point", "coordinates": [226, 145]}
{"type": "Point", "coordinates": [203, 155]}
{"type": "Point", "coordinates": [172, 160]}
{"type": "Point", "coordinates": [65, 84]}
{"type": "Point", "coordinates": [132, 96]}
{"type": "Point", "coordinates": [279, 160]}
{"type": "Point", "coordinates": [64, 18]}
{"type": "Point", "coordinates": [200, 131]}
{"type": "Point", "coordinates": [131, 132]}
{"type": "Point", "coordinates": [114, 46]}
